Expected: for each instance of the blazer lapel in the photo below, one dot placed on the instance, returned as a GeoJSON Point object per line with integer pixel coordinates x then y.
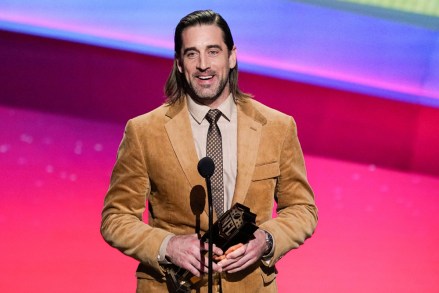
{"type": "Point", "coordinates": [179, 132]}
{"type": "Point", "coordinates": [250, 123]}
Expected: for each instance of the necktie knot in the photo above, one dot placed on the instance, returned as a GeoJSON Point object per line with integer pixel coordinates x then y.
{"type": "Point", "coordinates": [213, 115]}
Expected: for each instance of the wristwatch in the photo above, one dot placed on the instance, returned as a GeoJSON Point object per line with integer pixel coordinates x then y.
{"type": "Point", "coordinates": [269, 241]}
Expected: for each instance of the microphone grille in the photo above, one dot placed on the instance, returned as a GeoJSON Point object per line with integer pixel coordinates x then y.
{"type": "Point", "coordinates": [206, 167]}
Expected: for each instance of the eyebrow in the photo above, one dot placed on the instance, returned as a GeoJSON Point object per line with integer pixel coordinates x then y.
{"type": "Point", "coordinates": [195, 49]}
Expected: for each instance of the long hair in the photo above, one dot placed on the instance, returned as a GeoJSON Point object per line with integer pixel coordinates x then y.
{"type": "Point", "coordinates": [176, 86]}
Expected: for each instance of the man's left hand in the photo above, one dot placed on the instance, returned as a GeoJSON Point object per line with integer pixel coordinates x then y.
{"type": "Point", "coordinates": [246, 255]}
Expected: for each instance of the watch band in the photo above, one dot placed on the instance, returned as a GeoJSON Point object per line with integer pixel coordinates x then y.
{"type": "Point", "coordinates": [269, 241]}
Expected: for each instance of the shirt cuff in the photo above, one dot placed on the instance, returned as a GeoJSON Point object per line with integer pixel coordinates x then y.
{"type": "Point", "coordinates": [162, 252]}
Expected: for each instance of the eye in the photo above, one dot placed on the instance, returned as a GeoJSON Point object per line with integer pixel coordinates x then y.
{"type": "Point", "coordinates": [213, 52]}
{"type": "Point", "coordinates": [191, 54]}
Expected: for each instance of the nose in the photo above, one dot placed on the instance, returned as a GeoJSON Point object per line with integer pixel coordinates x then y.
{"type": "Point", "coordinates": [203, 63]}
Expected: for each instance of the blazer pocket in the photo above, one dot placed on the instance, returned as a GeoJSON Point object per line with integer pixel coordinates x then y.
{"type": "Point", "coordinates": [266, 171]}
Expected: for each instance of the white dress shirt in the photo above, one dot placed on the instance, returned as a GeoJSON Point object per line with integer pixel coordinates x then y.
{"type": "Point", "coordinates": [228, 126]}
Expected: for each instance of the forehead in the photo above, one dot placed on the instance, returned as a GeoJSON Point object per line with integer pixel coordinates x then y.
{"type": "Point", "coordinates": [200, 36]}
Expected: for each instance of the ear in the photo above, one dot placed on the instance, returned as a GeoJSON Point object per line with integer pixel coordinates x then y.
{"type": "Point", "coordinates": [232, 58]}
{"type": "Point", "coordinates": [178, 62]}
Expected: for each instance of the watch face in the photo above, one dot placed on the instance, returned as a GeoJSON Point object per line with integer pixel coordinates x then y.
{"type": "Point", "coordinates": [269, 241]}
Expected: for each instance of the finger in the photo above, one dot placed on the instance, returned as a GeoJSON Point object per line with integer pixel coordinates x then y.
{"type": "Point", "coordinates": [196, 267]}
{"type": "Point", "coordinates": [232, 257]}
{"type": "Point", "coordinates": [216, 250]}
{"type": "Point", "coordinates": [237, 265]}
{"type": "Point", "coordinates": [236, 251]}
{"type": "Point", "coordinates": [233, 248]}
{"type": "Point", "coordinates": [239, 268]}
{"type": "Point", "coordinates": [215, 266]}
{"type": "Point", "coordinates": [194, 271]}
{"type": "Point", "coordinates": [234, 263]}
{"type": "Point", "coordinates": [218, 258]}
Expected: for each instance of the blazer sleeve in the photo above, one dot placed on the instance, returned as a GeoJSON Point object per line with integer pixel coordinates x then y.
{"type": "Point", "coordinates": [122, 223]}
{"type": "Point", "coordinates": [296, 210]}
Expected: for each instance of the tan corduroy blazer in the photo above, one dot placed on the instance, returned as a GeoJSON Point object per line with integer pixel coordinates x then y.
{"type": "Point", "coordinates": [157, 164]}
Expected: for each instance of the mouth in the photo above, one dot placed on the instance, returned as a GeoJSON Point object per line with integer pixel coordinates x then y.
{"type": "Point", "coordinates": [205, 77]}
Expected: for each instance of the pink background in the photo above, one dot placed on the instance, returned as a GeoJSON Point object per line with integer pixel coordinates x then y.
{"type": "Point", "coordinates": [373, 164]}
{"type": "Point", "coordinates": [377, 231]}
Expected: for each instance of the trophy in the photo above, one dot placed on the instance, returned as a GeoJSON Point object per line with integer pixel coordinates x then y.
{"type": "Point", "coordinates": [235, 226]}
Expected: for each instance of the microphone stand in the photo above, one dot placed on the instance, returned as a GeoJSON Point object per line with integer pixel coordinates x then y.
{"type": "Point", "coordinates": [206, 167]}
{"type": "Point", "coordinates": [210, 253]}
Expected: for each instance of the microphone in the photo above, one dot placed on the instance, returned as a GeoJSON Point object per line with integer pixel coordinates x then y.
{"type": "Point", "coordinates": [206, 167]}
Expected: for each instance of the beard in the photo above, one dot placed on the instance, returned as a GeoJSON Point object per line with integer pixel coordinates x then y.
{"type": "Point", "coordinates": [206, 93]}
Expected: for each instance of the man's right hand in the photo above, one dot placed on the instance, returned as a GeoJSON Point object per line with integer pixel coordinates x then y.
{"type": "Point", "coordinates": [188, 252]}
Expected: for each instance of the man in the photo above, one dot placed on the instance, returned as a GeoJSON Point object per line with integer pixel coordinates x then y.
{"type": "Point", "coordinates": [157, 160]}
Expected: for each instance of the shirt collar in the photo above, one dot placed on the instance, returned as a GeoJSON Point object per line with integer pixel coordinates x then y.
{"type": "Point", "coordinates": [198, 112]}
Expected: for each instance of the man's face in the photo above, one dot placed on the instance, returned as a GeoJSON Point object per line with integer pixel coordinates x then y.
{"type": "Point", "coordinates": [206, 63]}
